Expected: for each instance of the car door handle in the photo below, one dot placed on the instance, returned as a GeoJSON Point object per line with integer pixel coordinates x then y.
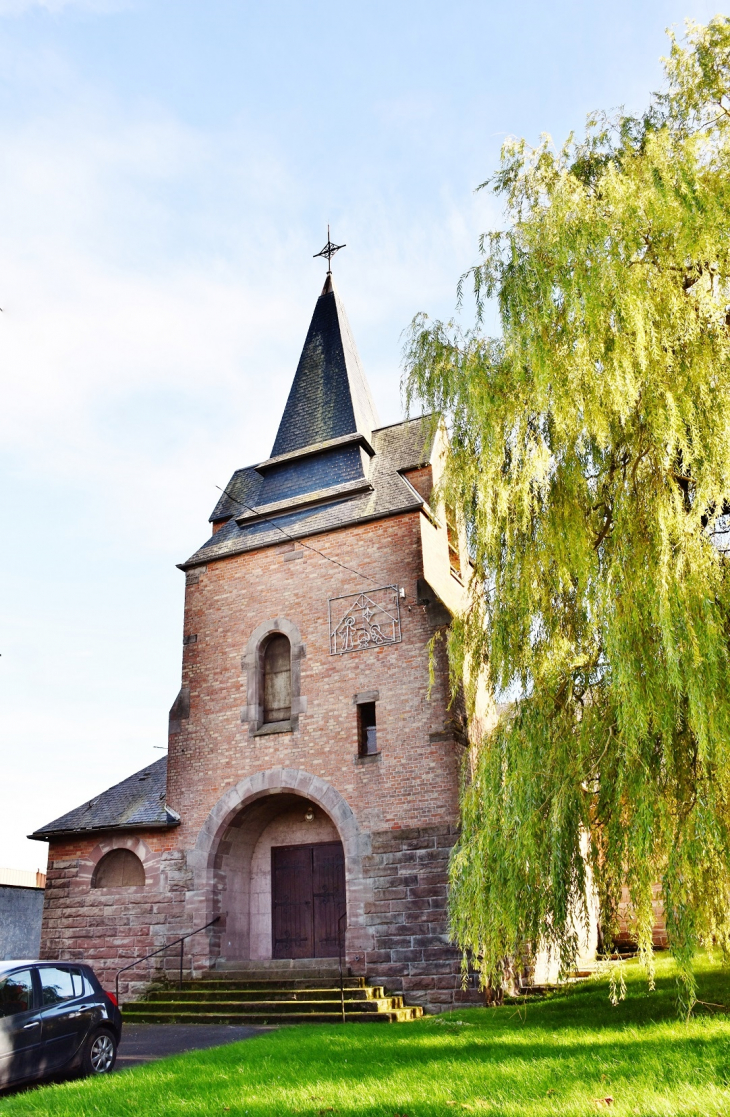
{"type": "Point", "coordinates": [33, 1024]}
{"type": "Point", "coordinates": [83, 1008]}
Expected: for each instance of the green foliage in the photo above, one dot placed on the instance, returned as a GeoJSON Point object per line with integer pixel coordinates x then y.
{"type": "Point", "coordinates": [561, 1055]}
{"type": "Point", "coordinates": [590, 457]}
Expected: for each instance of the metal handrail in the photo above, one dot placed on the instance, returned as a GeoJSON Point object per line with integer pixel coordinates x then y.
{"type": "Point", "coordinates": [339, 943]}
{"type": "Point", "coordinates": [160, 951]}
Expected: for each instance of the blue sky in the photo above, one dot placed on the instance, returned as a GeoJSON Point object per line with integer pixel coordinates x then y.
{"type": "Point", "coordinates": [167, 170]}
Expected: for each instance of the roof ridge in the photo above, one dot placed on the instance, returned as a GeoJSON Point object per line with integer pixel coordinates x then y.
{"type": "Point", "coordinates": [402, 422]}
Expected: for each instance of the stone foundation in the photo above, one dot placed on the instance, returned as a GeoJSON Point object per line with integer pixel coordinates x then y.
{"type": "Point", "coordinates": [408, 918]}
{"type": "Point", "coordinates": [110, 927]}
{"type": "Point", "coordinates": [405, 921]}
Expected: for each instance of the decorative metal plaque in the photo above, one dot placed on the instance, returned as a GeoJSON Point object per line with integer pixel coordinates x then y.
{"type": "Point", "coordinates": [364, 620]}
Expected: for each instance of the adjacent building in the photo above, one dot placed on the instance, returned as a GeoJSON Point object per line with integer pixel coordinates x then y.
{"type": "Point", "coordinates": [21, 911]}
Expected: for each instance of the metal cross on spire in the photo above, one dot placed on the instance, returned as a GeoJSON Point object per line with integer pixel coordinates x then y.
{"type": "Point", "coordinates": [328, 251]}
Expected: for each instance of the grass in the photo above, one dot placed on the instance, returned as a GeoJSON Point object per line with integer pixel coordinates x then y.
{"type": "Point", "coordinates": [566, 1054]}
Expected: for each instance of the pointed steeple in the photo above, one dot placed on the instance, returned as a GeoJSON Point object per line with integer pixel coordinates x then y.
{"type": "Point", "coordinates": [329, 397]}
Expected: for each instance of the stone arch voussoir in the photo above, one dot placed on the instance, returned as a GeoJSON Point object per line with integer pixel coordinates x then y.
{"type": "Point", "coordinates": [292, 781]}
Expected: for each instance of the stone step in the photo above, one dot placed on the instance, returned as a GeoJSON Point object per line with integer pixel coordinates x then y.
{"type": "Point", "coordinates": [285, 976]}
{"type": "Point", "coordinates": [260, 982]}
{"type": "Point", "coordinates": [226, 1008]}
{"type": "Point", "coordinates": [283, 969]}
{"type": "Point", "coordinates": [401, 1015]}
{"type": "Point", "coordinates": [265, 999]}
{"type": "Point", "coordinates": [259, 993]}
{"type": "Point", "coordinates": [261, 965]}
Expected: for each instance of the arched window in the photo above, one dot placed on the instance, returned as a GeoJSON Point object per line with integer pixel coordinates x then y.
{"type": "Point", "coordinates": [277, 679]}
{"type": "Point", "coordinates": [273, 665]}
{"type": "Point", "coordinates": [119, 869]}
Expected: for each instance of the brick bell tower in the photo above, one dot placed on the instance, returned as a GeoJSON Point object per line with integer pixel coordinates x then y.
{"type": "Point", "coordinates": [309, 798]}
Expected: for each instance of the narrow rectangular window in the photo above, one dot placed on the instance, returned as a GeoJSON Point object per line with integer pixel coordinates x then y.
{"type": "Point", "coordinates": [452, 534]}
{"type": "Point", "coordinates": [368, 742]}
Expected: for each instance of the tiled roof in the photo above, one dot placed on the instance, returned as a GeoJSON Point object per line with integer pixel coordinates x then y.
{"type": "Point", "coordinates": [397, 448]}
{"type": "Point", "coordinates": [138, 801]}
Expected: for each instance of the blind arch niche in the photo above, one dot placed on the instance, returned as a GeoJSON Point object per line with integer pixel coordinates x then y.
{"type": "Point", "coordinates": [119, 869]}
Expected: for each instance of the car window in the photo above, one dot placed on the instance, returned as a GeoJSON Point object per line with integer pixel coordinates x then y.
{"type": "Point", "coordinates": [16, 993]}
{"type": "Point", "coordinates": [82, 985]}
{"type": "Point", "coordinates": [58, 985]}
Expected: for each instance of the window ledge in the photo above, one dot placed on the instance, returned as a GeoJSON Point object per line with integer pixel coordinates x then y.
{"type": "Point", "coordinates": [274, 727]}
{"type": "Point", "coordinates": [368, 758]}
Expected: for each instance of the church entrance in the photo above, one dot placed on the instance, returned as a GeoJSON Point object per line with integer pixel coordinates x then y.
{"type": "Point", "coordinates": [280, 867]}
{"type": "Point", "coordinates": [308, 900]}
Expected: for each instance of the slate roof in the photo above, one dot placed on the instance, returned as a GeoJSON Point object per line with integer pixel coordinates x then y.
{"type": "Point", "coordinates": [330, 396]}
{"type": "Point", "coordinates": [138, 801]}
{"type": "Point", "coordinates": [397, 448]}
{"type": "Point", "coordinates": [331, 465]}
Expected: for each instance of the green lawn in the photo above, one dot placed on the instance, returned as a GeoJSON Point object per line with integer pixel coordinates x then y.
{"type": "Point", "coordinates": [563, 1055]}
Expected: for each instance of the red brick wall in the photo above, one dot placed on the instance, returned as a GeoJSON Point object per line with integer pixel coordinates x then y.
{"type": "Point", "coordinates": [422, 481]}
{"type": "Point", "coordinates": [416, 780]}
{"type": "Point", "coordinates": [626, 936]}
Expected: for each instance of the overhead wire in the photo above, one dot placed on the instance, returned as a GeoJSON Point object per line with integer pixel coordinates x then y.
{"type": "Point", "coordinates": [365, 577]}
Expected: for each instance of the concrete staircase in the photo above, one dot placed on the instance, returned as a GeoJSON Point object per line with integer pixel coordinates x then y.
{"type": "Point", "coordinates": [274, 995]}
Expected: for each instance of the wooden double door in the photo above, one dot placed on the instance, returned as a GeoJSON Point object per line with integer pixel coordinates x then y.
{"type": "Point", "coordinates": [307, 900]}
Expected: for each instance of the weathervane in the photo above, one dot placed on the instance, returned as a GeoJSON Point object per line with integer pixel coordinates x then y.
{"type": "Point", "coordinates": [328, 251]}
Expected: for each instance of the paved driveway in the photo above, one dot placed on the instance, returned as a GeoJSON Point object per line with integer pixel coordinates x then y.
{"type": "Point", "coordinates": [141, 1043]}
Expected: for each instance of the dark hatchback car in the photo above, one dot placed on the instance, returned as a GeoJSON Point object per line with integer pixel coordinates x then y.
{"type": "Point", "coordinates": [55, 1018]}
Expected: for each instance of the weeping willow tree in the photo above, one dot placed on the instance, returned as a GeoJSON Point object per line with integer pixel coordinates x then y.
{"type": "Point", "coordinates": [590, 458]}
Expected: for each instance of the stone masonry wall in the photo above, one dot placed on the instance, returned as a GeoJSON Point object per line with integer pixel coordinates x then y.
{"type": "Point", "coordinates": [109, 927]}
{"type": "Point", "coordinates": [409, 920]}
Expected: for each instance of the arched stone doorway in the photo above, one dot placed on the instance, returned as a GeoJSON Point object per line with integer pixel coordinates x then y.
{"type": "Point", "coordinates": [268, 888]}
{"type": "Point", "coordinates": [278, 810]}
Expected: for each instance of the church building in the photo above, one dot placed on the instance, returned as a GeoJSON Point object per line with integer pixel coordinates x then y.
{"type": "Point", "coordinates": [309, 798]}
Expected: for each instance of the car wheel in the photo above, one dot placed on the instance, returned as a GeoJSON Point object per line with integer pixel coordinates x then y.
{"type": "Point", "coordinates": [100, 1053]}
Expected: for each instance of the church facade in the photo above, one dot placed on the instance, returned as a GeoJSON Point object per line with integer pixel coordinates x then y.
{"type": "Point", "coordinates": [308, 802]}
